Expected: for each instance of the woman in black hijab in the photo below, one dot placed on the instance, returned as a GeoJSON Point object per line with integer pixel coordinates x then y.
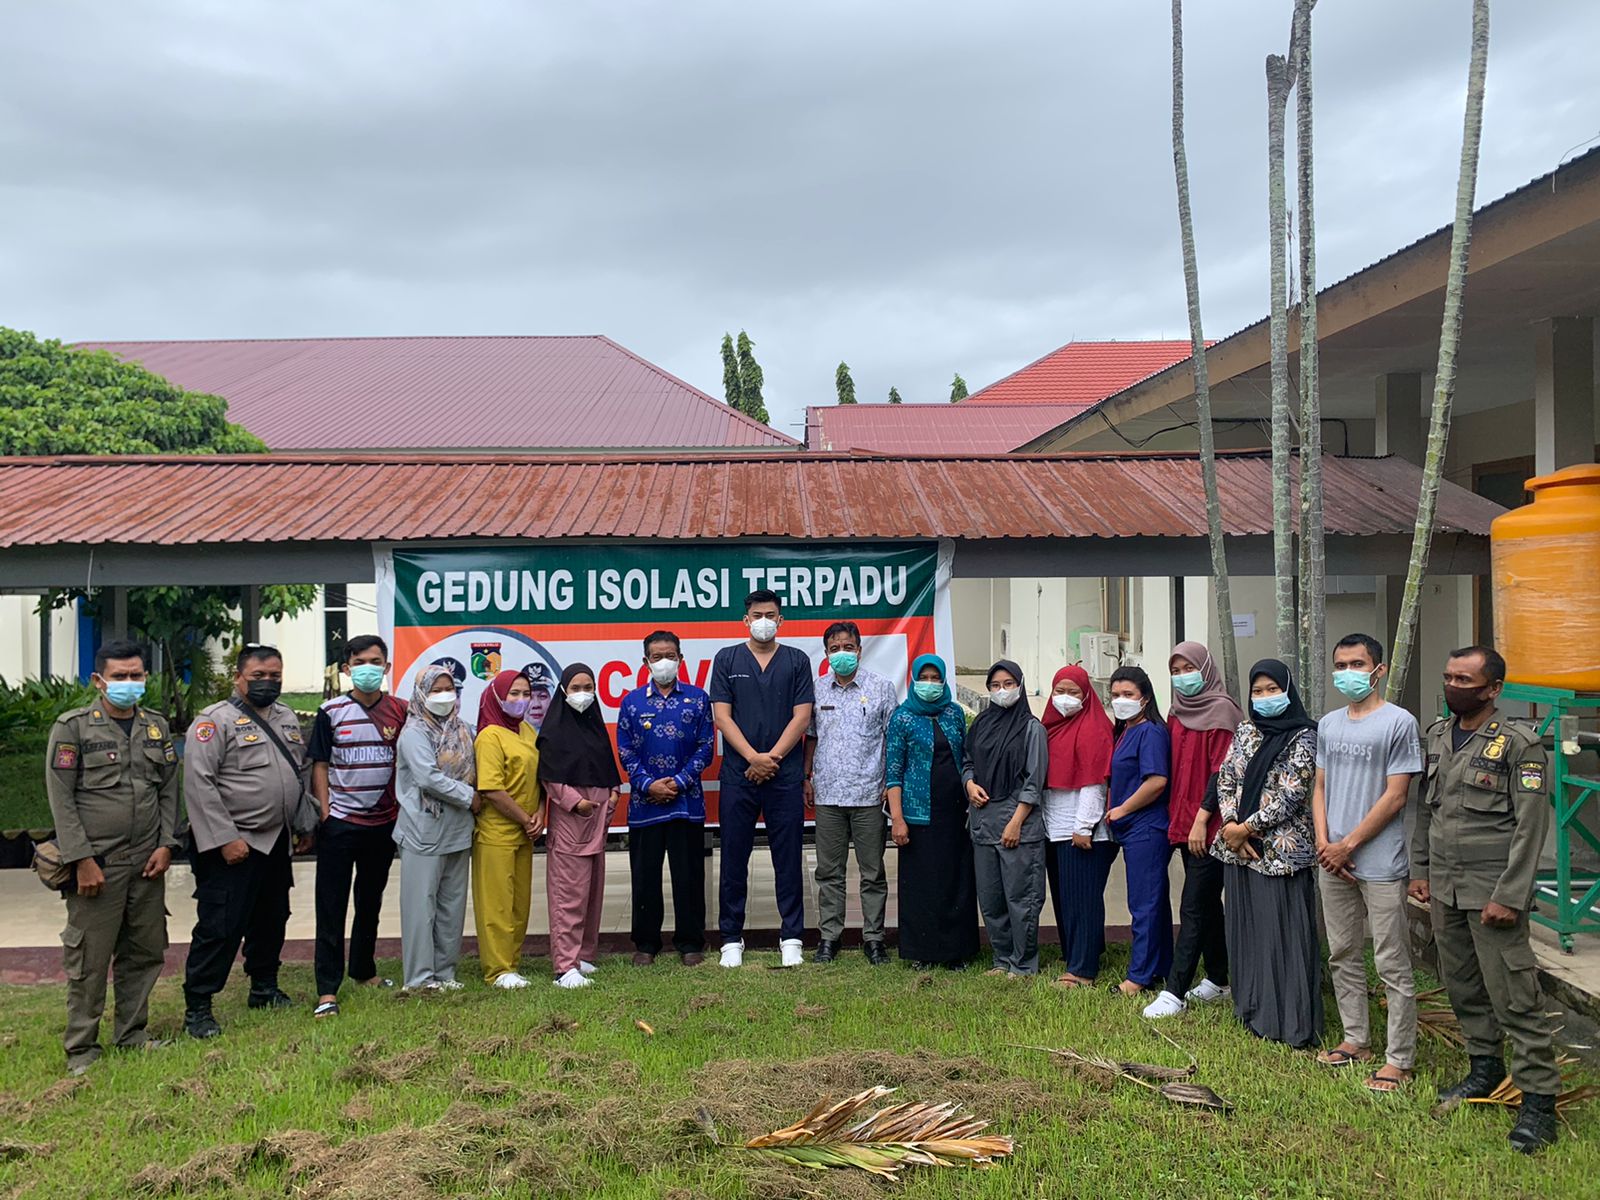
{"type": "Point", "coordinates": [1004, 764]}
{"type": "Point", "coordinates": [1268, 848]}
{"type": "Point", "coordinates": [578, 770]}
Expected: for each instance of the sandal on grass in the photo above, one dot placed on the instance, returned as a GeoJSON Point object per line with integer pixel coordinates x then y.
{"type": "Point", "coordinates": [1384, 1084]}
{"type": "Point", "coordinates": [1340, 1057]}
{"type": "Point", "coordinates": [1072, 981]}
{"type": "Point", "coordinates": [328, 1008]}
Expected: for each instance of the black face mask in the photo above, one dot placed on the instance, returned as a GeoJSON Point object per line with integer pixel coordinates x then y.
{"type": "Point", "coordinates": [1463, 702]}
{"type": "Point", "coordinates": [262, 692]}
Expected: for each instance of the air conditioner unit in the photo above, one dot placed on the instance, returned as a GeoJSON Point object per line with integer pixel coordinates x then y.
{"type": "Point", "coordinates": [1102, 654]}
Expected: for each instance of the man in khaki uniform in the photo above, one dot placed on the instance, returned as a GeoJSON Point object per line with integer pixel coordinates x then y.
{"type": "Point", "coordinates": [1481, 824]}
{"type": "Point", "coordinates": [112, 776]}
{"type": "Point", "coordinates": [245, 786]}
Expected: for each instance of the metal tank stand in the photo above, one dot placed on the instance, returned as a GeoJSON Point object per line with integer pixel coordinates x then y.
{"type": "Point", "coordinates": [1570, 903]}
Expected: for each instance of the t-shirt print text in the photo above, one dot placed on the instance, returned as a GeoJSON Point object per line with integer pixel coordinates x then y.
{"type": "Point", "coordinates": [1361, 750]}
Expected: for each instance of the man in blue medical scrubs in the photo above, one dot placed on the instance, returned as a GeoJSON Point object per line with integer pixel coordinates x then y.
{"type": "Point", "coordinates": [761, 699]}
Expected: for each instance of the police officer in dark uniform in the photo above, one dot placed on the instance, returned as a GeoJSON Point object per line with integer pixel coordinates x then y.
{"type": "Point", "coordinates": [1481, 823]}
{"type": "Point", "coordinates": [111, 772]}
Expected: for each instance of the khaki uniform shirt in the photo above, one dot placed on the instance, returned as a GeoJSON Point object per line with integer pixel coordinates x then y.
{"type": "Point", "coordinates": [112, 794]}
{"type": "Point", "coordinates": [236, 782]}
{"type": "Point", "coordinates": [1482, 815]}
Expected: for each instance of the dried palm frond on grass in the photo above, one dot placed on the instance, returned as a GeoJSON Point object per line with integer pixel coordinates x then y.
{"type": "Point", "coordinates": [1172, 1083]}
{"type": "Point", "coordinates": [1435, 1018]}
{"type": "Point", "coordinates": [891, 1139]}
{"type": "Point", "coordinates": [1571, 1095]}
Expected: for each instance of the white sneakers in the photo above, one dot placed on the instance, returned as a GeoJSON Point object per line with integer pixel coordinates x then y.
{"type": "Point", "coordinates": [791, 952]}
{"type": "Point", "coordinates": [1206, 992]}
{"type": "Point", "coordinates": [588, 968]}
{"type": "Point", "coordinates": [574, 978]}
{"type": "Point", "coordinates": [1164, 1005]}
{"type": "Point", "coordinates": [733, 953]}
{"type": "Point", "coordinates": [449, 985]}
{"type": "Point", "coordinates": [510, 980]}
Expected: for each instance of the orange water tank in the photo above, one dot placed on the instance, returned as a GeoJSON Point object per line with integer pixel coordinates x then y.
{"type": "Point", "coordinates": [1546, 568]}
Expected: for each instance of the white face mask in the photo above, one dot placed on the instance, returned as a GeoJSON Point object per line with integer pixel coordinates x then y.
{"type": "Point", "coordinates": [440, 704]}
{"type": "Point", "coordinates": [1125, 708]}
{"type": "Point", "coordinates": [1005, 697]}
{"type": "Point", "coordinates": [1066, 705]}
{"type": "Point", "coordinates": [763, 629]}
{"type": "Point", "coordinates": [580, 701]}
{"type": "Point", "coordinates": [664, 670]}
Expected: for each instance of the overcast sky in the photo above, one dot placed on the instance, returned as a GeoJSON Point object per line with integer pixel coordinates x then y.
{"type": "Point", "coordinates": [917, 187]}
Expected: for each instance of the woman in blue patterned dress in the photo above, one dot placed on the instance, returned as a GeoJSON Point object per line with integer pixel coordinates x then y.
{"type": "Point", "coordinates": [928, 822]}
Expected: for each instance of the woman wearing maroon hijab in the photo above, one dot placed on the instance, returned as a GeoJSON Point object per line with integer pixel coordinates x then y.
{"type": "Point", "coordinates": [1201, 721]}
{"type": "Point", "coordinates": [502, 841]}
{"type": "Point", "coordinates": [1079, 736]}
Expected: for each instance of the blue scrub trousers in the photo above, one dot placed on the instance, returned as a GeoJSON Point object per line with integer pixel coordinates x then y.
{"type": "Point", "coordinates": [1081, 904]}
{"type": "Point", "coordinates": [1146, 850]}
{"type": "Point", "coordinates": [741, 803]}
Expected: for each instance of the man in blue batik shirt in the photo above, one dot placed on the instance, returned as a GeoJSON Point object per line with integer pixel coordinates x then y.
{"type": "Point", "coordinates": [665, 738]}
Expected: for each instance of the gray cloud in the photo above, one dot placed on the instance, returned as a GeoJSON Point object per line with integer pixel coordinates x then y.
{"type": "Point", "coordinates": [919, 188]}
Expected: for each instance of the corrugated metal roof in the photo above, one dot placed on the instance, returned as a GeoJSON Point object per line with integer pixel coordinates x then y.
{"type": "Point", "coordinates": [309, 498]}
{"type": "Point", "coordinates": [931, 428]}
{"type": "Point", "coordinates": [456, 393]}
{"type": "Point", "coordinates": [1081, 373]}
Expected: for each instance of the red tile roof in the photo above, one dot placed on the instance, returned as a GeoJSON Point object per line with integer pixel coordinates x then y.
{"type": "Point", "coordinates": [931, 428]}
{"type": "Point", "coordinates": [1081, 373]}
{"type": "Point", "coordinates": [449, 393]}
{"type": "Point", "coordinates": [205, 501]}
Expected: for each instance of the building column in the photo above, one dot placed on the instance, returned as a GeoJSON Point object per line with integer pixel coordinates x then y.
{"type": "Point", "coordinates": [113, 613]}
{"type": "Point", "coordinates": [250, 614]}
{"type": "Point", "coordinates": [1563, 393]}
{"type": "Point", "coordinates": [47, 618]}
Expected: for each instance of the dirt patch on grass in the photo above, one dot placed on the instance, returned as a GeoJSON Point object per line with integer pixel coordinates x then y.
{"type": "Point", "coordinates": [704, 1001]}
{"type": "Point", "coordinates": [369, 1066]}
{"type": "Point", "coordinates": [9, 1151]}
{"type": "Point", "coordinates": [811, 1012]}
{"type": "Point", "coordinates": [467, 1084]}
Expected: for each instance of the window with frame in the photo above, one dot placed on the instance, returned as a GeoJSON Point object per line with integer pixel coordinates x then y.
{"type": "Point", "coordinates": [1115, 607]}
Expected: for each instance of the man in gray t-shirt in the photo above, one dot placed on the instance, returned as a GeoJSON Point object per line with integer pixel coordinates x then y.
{"type": "Point", "coordinates": [1367, 753]}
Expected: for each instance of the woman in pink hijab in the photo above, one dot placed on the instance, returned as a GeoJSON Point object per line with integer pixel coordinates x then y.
{"type": "Point", "coordinates": [1202, 721]}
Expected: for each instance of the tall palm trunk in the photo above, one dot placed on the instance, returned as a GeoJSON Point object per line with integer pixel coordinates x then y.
{"type": "Point", "coordinates": [1202, 385]}
{"type": "Point", "coordinates": [1313, 563]}
{"type": "Point", "coordinates": [1444, 385]}
{"type": "Point", "coordinates": [1279, 78]}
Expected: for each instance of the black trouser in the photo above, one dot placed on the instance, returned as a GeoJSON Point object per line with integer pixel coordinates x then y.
{"type": "Point", "coordinates": [367, 851]}
{"type": "Point", "coordinates": [683, 845]}
{"type": "Point", "coordinates": [1201, 932]}
{"type": "Point", "coordinates": [249, 902]}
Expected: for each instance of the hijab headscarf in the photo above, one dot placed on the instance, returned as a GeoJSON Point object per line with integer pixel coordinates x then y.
{"type": "Point", "coordinates": [1277, 734]}
{"type": "Point", "coordinates": [450, 736]}
{"type": "Point", "coordinates": [995, 739]}
{"type": "Point", "coordinates": [914, 703]}
{"type": "Point", "coordinates": [1211, 707]}
{"type": "Point", "coordinates": [489, 710]}
{"type": "Point", "coordinates": [1080, 745]}
{"type": "Point", "coordinates": [574, 747]}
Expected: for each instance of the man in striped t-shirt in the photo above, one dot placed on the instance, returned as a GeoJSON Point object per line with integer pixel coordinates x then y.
{"type": "Point", "coordinates": [352, 751]}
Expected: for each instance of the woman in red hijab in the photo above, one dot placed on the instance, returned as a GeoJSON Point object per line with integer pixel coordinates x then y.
{"type": "Point", "coordinates": [1202, 721]}
{"type": "Point", "coordinates": [511, 817]}
{"type": "Point", "coordinates": [1079, 735]}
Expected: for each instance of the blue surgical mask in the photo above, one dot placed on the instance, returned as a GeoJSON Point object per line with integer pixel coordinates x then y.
{"type": "Point", "coordinates": [1189, 683]}
{"type": "Point", "coordinates": [1270, 706]}
{"type": "Point", "coordinates": [124, 693]}
{"type": "Point", "coordinates": [367, 677]}
{"type": "Point", "coordinates": [1353, 685]}
{"type": "Point", "coordinates": [928, 690]}
{"type": "Point", "coordinates": [844, 662]}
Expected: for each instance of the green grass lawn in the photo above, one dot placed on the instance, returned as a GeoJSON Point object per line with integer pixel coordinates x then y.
{"type": "Point", "coordinates": [22, 800]}
{"type": "Point", "coordinates": [549, 1093]}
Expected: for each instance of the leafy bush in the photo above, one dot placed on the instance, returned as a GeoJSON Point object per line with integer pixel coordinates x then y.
{"type": "Point", "coordinates": [29, 708]}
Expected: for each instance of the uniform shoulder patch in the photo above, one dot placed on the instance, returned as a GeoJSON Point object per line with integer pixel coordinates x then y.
{"type": "Point", "coordinates": [1530, 776]}
{"type": "Point", "coordinates": [204, 731]}
{"type": "Point", "coordinates": [66, 757]}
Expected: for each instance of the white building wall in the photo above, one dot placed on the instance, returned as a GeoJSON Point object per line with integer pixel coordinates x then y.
{"type": "Point", "coordinates": [19, 639]}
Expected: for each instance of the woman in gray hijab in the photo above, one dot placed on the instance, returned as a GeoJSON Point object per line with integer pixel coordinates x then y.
{"type": "Point", "coordinates": [434, 776]}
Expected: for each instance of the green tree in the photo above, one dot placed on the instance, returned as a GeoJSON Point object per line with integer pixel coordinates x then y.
{"type": "Point", "coordinates": [1280, 79]}
{"type": "Point", "coordinates": [958, 388]}
{"type": "Point", "coordinates": [844, 385]}
{"type": "Point", "coordinates": [894, 395]}
{"type": "Point", "coordinates": [1444, 385]}
{"type": "Point", "coordinates": [730, 373]}
{"type": "Point", "coordinates": [58, 400]}
{"type": "Point", "coordinates": [750, 381]}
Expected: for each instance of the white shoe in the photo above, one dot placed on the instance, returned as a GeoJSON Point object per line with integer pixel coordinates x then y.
{"type": "Point", "coordinates": [792, 952]}
{"type": "Point", "coordinates": [1206, 992]}
{"type": "Point", "coordinates": [450, 985]}
{"type": "Point", "coordinates": [587, 968]}
{"type": "Point", "coordinates": [1164, 1005]}
{"type": "Point", "coordinates": [574, 979]}
{"type": "Point", "coordinates": [510, 980]}
{"type": "Point", "coordinates": [733, 953]}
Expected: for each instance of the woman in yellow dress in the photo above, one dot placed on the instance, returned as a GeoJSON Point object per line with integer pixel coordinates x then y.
{"type": "Point", "coordinates": [511, 817]}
